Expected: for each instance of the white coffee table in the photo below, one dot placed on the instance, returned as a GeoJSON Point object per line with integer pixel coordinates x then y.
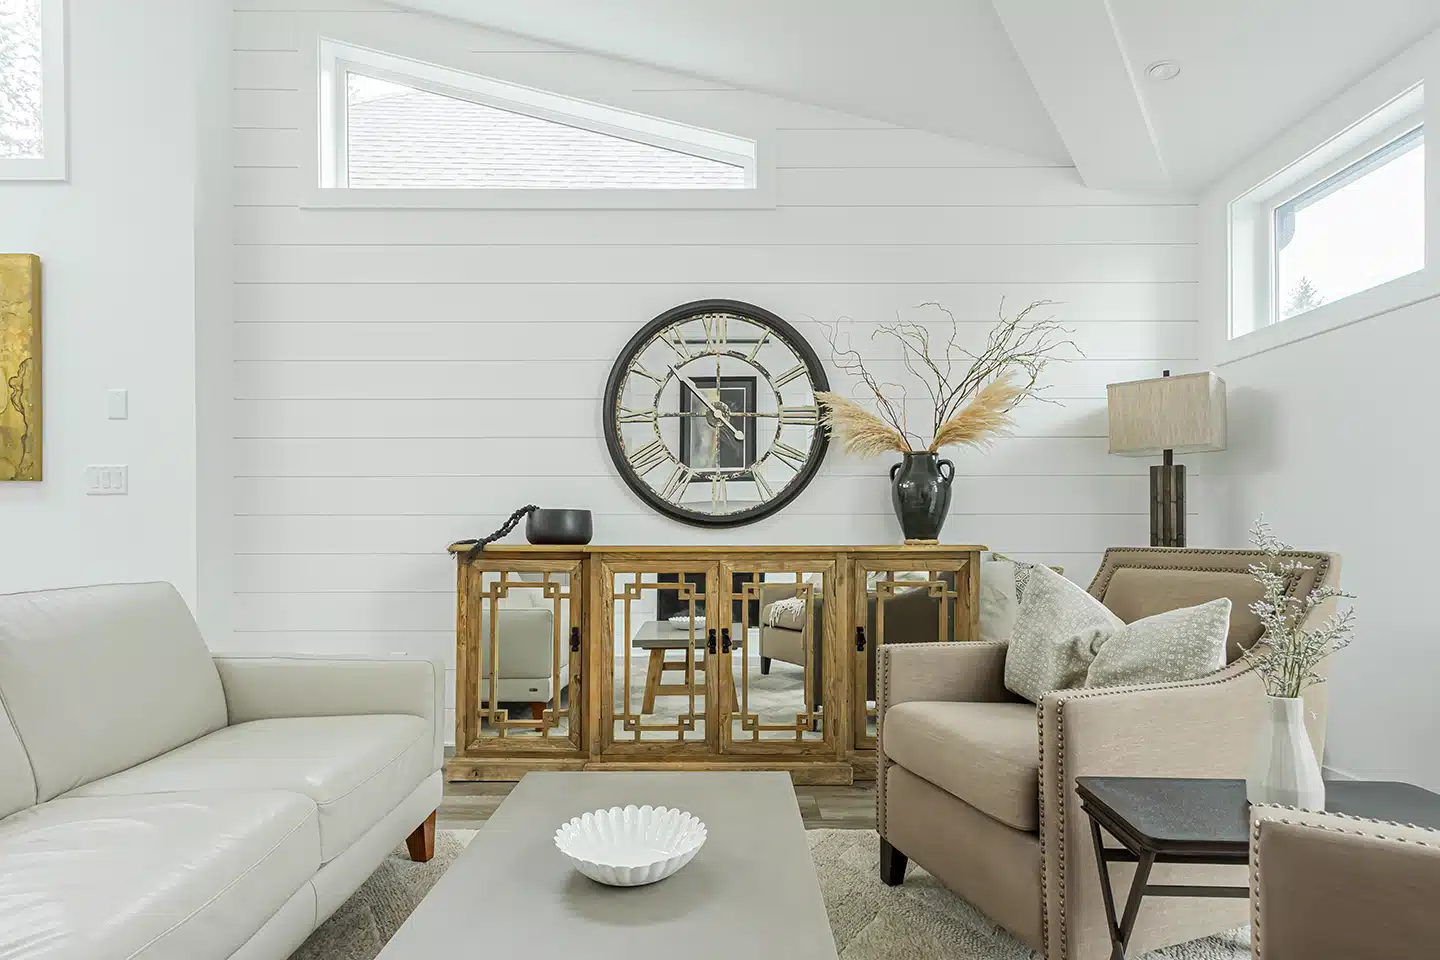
{"type": "Point", "coordinates": [751, 892]}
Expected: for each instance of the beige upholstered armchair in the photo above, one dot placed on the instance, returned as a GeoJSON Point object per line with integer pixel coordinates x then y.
{"type": "Point", "coordinates": [1324, 886]}
{"type": "Point", "coordinates": [976, 791]}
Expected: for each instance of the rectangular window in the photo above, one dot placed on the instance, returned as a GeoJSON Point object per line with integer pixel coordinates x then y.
{"type": "Point", "coordinates": [1354, 230]}
{"type": "Point", "coordinates": [424, 134]}
{"type": "Point", "coordinates": [32, 90]}
{"type": "Point", "coordinates": [1344, 218]}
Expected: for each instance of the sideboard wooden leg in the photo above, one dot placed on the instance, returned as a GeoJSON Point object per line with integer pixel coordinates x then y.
{"type": "Point", "coordinates": [537, 709]}
{"type": "Point", "coordinates": [421, 841]}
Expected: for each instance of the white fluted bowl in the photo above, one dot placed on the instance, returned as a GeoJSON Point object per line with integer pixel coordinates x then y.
{"type": "Point", "coordinates": [631, 846]}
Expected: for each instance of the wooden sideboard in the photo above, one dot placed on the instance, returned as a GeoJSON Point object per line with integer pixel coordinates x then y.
{"type": "Point", "coordinates": [561, 664]}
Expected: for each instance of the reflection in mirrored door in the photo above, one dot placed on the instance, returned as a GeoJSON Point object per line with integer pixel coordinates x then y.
{"type": "Point", "coordinates": [776, 647]}
{"type": "Point", "coordinates": [523, 657]}
{"type": "Point", "coordinates": [894, 604]}
{"type": "Point", "coordinates": [663, 651]}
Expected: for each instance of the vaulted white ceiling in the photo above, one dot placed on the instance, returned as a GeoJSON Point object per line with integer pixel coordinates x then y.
{"type": "Point", "coordinates": [1056, 81]}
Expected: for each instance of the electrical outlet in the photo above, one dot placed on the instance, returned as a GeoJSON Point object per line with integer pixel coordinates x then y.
{"type": "Point", "coordinates": [107, 481]}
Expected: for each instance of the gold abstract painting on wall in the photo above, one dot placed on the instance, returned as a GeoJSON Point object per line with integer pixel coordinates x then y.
{"type": "Point", "coordinates": [20, 409]}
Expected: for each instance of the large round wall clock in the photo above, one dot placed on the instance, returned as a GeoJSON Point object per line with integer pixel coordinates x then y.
{"type": "Point", "coordinates": [710, 413]}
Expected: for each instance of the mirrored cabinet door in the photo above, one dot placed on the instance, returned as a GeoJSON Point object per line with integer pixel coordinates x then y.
{"type": "Point", "coordinates": [894, 601]}
{"type": "Point", "coordinates": [660, 651]}
{"type": "Point", "coordinates": [781, 681]}
{"type": "Point", "coordinates": [519, 657]}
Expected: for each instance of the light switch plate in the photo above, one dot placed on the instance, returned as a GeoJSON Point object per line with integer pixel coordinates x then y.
{"type": "Point", "coordinates": [117, 404]}
{"type": "Point", "coordinates": [107, 481]}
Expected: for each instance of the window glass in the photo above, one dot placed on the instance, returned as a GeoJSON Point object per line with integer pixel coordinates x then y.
{"type": "Point", "coordinates": [401, 136]}
{"type": "Point", "coordinates": [1357, 229]}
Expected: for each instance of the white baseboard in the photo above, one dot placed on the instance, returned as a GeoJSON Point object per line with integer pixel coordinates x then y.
{"type": "Point", "coordinates": [1332, 773]}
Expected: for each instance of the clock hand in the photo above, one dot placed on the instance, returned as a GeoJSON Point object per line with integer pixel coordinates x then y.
{"type": "Point", "coordinates": [736, 431]}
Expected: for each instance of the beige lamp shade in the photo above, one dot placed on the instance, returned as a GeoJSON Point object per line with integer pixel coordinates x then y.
{"type": "Point", "coordinates": [1185, 414]}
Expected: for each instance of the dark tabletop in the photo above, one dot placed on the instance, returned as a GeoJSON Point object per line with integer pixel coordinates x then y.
{"type": "Point", "coordinates": [1165, 811]}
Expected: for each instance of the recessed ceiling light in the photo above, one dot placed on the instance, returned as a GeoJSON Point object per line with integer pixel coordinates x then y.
{"type": "Point", "coordinates": [1163, 70]}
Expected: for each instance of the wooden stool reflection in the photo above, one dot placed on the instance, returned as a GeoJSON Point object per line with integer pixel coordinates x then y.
{"type": "Point", "coordinates": [660, 638]}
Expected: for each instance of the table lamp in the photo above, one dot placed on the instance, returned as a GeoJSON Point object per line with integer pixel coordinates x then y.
{"type": "Point", "coordinates": [1165, 415]}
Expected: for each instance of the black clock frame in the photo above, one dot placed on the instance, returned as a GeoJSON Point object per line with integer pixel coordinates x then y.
{"type": "Point", "coordinates": [819, 443]}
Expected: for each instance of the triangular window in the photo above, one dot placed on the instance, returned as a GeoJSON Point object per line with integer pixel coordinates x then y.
{"type": "Point", "coordinates": [394, 123]}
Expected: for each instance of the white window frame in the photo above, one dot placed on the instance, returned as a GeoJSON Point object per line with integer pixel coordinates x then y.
{"type": "Point", "coordinates": [54, 165]}
{"type": "Point", "coordinates": [335, 59]}
{"type": "Point", "coordinates": [1255, 299]}
{"type": "Point", "coordinates": [1237, 212]}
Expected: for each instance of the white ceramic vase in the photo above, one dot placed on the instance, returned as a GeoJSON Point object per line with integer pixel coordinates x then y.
{"type": "Point", "coordinates": [1285, 770]}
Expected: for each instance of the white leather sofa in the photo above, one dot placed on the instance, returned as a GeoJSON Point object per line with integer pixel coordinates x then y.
{"type": "Point", "coordinates": [526, 629]}
{"type": "Point", "coordinates": [161, 803]}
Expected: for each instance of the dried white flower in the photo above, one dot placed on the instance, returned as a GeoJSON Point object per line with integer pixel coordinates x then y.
{"type": "Point", "coordinates": [1287, 655]}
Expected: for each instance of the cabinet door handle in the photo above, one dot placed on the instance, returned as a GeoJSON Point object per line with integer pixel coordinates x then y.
{"type": "Point", "coordinates": [724, 640]}
{"type": "Point", "coordinates": [711, 646]}
{"type": "Point", "coordinates": [574, 639]}
{"type": "Point", "coordinates": [860, 639]}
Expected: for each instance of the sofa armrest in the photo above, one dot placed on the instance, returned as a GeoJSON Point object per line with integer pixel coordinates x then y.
{"type": "Point", "coordinates": [1325, 886]}
{"type": "Point", "coordinates": [264, 687]}
{"type": "Point", "coordinates": [972, 672]}
{"type": "Point", "coordinates": [1197, 728]}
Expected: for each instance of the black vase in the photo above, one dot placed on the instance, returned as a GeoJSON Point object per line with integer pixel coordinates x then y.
{"type": "Point", "coordinates": [920, 490]}
{"type": "Point", "coordinates": [559, 527]}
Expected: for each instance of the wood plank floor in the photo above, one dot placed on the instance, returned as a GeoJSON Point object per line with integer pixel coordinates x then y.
{"type": "Point", "coordinates": [467, 806]}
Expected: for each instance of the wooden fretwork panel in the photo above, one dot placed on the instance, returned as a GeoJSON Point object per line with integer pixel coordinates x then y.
{"type": "Point", "coordinates": [519, 656]}
{"type": "Point", "coordinates": [781, 685]}
{"type": "Point", "coordinates": [658, 694]}
{"type": "Point", "coordinates": [894, 601]}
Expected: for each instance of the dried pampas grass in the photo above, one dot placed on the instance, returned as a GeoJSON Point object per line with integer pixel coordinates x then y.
{"type": "Point", "coordinates": [859, 431]}
{"type": "Point", "coordinates": [983, 419]}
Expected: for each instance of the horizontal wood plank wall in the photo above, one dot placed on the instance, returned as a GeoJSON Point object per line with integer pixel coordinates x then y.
{"type": "Point", "coordinates": [406, 378]}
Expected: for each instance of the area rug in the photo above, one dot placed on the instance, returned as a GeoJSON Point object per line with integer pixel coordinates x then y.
{"type": "Point", "coordinates": [920, 920]}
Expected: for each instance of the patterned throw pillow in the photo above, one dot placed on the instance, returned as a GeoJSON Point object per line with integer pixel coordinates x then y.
{"type": "Point", "coordinates": [1058, 628]}
{"type": "Point", "coordinates": [1064, 638]}
{"type": "Point", "coordinates": [1178, 645]}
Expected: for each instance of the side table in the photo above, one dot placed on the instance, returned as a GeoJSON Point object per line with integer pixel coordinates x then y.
{"type": "Point", "coordinates": [1170, 820]}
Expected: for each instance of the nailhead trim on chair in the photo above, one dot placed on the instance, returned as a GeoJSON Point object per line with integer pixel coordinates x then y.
{"type": "Point", "coordinates": [1321, 563]}
{"type": "Point", "coordinates": [1060, 703]}
{"type": "Point", "coordinates": [1255, 846]}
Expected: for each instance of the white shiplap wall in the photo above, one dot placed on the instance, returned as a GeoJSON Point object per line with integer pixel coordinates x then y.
{"type": "Point", "coordinates": [406, 378]}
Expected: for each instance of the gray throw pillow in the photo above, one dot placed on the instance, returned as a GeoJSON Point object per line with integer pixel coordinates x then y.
{"type": "Point", "coordinates": [1177, 645]}
{"type": "Point", "coordinates": [1064, 638]}
{"type": "Point", "coordinates": [1058, 629]}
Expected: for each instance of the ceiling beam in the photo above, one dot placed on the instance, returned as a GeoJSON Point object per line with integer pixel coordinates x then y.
{"type": "Point", "coordinates": [1077, 63]}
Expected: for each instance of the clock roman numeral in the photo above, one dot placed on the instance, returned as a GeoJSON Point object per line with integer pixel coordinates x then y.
{"type": "Point", "coordinates": [793, 373]}
{"type": "Point", "coordinates": [788, 454]}
{"type": "Point", "coordinates": [637, 416]}
{"type": "Point", "coordinates": [718, 496]}
{"type": "Point", "coordinates": [674, 342]}
{"type": "Point", "coordinates": [640, 371]}
{"type": "Point", "coordinates": [679, 480]}
{"type": "Point", "coordinates": [714, 331]}
{"type": "Point", "coordinates": [755, 350]}
{"type": "Point", "coordinates": [649, 457]}
{"type": "Point", "coordinates": [767, 492]}
{"type": "Point", "coordinates": [800, 416]}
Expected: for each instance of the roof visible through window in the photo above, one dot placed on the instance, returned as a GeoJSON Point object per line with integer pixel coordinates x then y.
{"type": "Point", "coordinates": [399, 136]}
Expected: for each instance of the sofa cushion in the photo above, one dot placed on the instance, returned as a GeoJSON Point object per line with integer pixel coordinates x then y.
{"type": "Point", "coordinates": [98, 679]}
{"type": "Point", "coordinates": [187, 876]}
{"type": "Point", "coordinates": [987, 754]}
{"type": "Point", "coordinates": [17, 780]}
{"type": "Point", "coordinates": [356, 769]}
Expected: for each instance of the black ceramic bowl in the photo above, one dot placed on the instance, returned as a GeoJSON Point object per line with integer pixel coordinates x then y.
{"type": "Point", "coordinates": [559, 527]}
